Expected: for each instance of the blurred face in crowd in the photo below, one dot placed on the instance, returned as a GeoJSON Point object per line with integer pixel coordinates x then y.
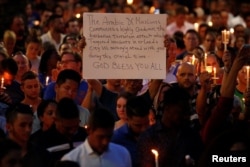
{"type": "Point", "coordinates": [31, 88]}
{"type": "Point", "coordinates": [73, 28]}
{"type": "Point", "coordinates": [138, 124]}
{"type": "Point", "coordinates": [67, 89]}
{"type": "Point", "coordinates": [67, 127]}
{"type": "Point", "coordinates": [121, 108]}
{"type": "Point", "coordinates": [22, 63]}
{"type": "Point", "coordinates": [132, 86]}
{"type": "Point", "coordinates": [191, 41]}
{"type": "Point", "coordinates": [209, 42]}
{"type": "Point", "coordinates": [99, 138]}
{"type": "Point", "coordinates": [68, 62]}
{"type": "Point", "coordinates": [48, 117]}
{"type": "Point", "coordinates": [242, 76]}
{"type": "Point", "coordinates": [33, 50]}
{"type": "Point", "coordinates": [186, 76]}
{"type": "Point", "coordinates": [18, 27]}
{"type": "Point", "coordinates": [20, 129]}
{"type": "Point", "coordinates": [58, 25]}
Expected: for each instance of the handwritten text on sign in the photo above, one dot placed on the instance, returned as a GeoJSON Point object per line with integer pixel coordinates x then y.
{"type": "Point", "coordinates": [124, 46]}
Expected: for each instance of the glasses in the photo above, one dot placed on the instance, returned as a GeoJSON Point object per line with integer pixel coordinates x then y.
{"type": "Point", "coordinates": [66, 62]}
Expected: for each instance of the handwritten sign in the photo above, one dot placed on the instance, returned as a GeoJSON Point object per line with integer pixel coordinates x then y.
{"type": "Point", "coordinates": [124, 46]}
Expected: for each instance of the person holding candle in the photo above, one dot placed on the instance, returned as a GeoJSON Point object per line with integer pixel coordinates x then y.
{"type": "Point", "coordinates": [173, 127]}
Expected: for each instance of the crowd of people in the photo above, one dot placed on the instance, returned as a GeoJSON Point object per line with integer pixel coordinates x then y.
{"type": "Point", "coordinates": [198, 115]}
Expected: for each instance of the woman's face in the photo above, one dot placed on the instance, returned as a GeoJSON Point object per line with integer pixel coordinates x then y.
{"type": "Point", "coordinates": [121, 108]}
{"type": "Point", "coordinates": [48, 117]}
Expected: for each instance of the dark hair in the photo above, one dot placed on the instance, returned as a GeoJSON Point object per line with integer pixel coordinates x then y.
{"type": "Point", "coordinates": [101, 118]}
{"type": "Point", "coordinates": [43, 105]}
{"type": "Point", "coordinates": [67, 109]}
{"type": "Point", "coordinates": [137, 106]}
{"type": "Point", "coordinates": [68, 74]}
{"type": "Point", "coordinates": [52, 18]}
{"type": "Point", "coordinates": [33, 37]}
{"type": "Point", "coordinates": [192, 31]}
{"type": "Point", "coordinates": [7, 146]}
{"type": "Point", "coordinates": [72, 19]}
{"type": "Point", "coordinates": [47, 54]}
{"type": "Point", "coordinates": [9, 65]}
{"type": "Point", "coordinates": [28, 75]}
{"type": "Point", "coordinates": [177, 96]}
{"type": "Point", "coordinates": [21, 108]}
{"type": "Point", "coordinates": [178, 36]}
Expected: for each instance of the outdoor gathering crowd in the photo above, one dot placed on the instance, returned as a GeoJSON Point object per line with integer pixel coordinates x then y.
{"type": "Point", "coordinates": [198, 115]}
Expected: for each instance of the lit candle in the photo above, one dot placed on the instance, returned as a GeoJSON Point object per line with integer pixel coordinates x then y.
{"type": "Point", "coordinates": [214, 72]}
{"type": "Point", "coordinates": [196, 27]}
{"type": "Point", "coordinates": [225, 38]}
{"type": "Point", "coordinates": [2, 83]}
{"type": "Point", "coordinates": [205, 61]}
{"type": "Point", "coordinates": [247, 77]}
{"type": "Point", "coordinates": [129, 2]}
{"type": "Point", "coordinates": [193, 59]}
{"type": "Point", "coordinates": [231, 31]}
{"type": "Point", "coordinates": [156, 157]}
{"type": "Point", "coordinates": [210, 23]}
{"type": "Point", "coordinates": [47, 81]}
{"type": "Point", "coordinates": [209, 69]}
{"type": "Point", "coordinates": [78, 15]}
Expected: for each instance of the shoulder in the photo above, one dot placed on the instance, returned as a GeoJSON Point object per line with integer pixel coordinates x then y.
{"type": "Point", "coordinates": [74, 154]}
{"type": "Point", "coordinates": [118, 149]}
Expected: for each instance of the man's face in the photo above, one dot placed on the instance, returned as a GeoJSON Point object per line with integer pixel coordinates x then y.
{"type": "Point", "coordinates": [138, 124]}
{"type": "Point", "coordinates": [22, 63]}
{"type": "Point", "coordinates": [31, 88]}
{"type": "Point", "coordinates": [186, 76]}
{"type": "Point", "coordinates": [218, 42]}
{"type": "Point", "coordinates": [59, 25]}
{"type": "Point", "coordinates": [20, 129]}
{"type": "Point", "coordinates": [67, 89]}
{"type": "Point", "coordinates": [48, 117]}
{"type": "Point", "coordinates": [67, 127]}
{"type": "Point", "coordinates": [132, 86]}
{"type": "Point", "coordinates": [209, 42]}
{"type": "Point", "coordinates": [99, 138]}
{"type": "Point", "coordinates": [18, 27]}
{"type": "Point", "coordinates": [68, 62]}
{"type": "Point", "coordinates": [191, 41]}
{"type": "Point", "coordinates": [8, 78]}
{"type": "Point", "coordinates": [73, 28]}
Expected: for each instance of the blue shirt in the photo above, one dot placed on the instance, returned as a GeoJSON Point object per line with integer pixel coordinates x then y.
{"type": "Point", "coordinates": [124, 137]}
{"type": "Point", "coordinates": [81, 93]}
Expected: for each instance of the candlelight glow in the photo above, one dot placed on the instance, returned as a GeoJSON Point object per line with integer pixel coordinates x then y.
{"type": "Point", "coordinates": [78, 15]}
{"type": "Point", "coordinates": [47, 81]}
{"type": "Point", "coordinates": [155, 152]}
{"type": "Point", "coordinates": [209, 69]}
{"type": "Point", "coordinates": [152, 10]}
{"type": "Point", "coordinates": [129, 2]}
{"type": "Point", "coordinates": [196, 26]}
{"type": "Point", "coordinates": [210, 23]}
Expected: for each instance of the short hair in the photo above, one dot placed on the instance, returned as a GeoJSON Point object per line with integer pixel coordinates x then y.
{"type": "Point", "coordinates": [67, 109]}
{"type": "Point", "coordinates": [53, 17]}
{"type": "Point", "coordinates": [77, 56]}
{"type": "Point", "coordinates": [28, 75]}
{"type": "Point", "coordinates": [101, 118]}
{"type": "Point", "coordinates": [7, 146]}
{"type": "Point", "coordinates": [137, 106]}
{"type": "Point", "coordinates": [192, 31]}
{"type": "Point", "coordinates": [72, 19]}
{"type": "Point", "coordinates": [42, 106]}
{"type": "Point", "coordinates": [33, 37]}
{"type": "Point", "coordinates": [9, 65]}
{"type": "Point", "coordinates": [181, 10]}
{"type": "Point", "coordinates": [20, 108]}
{"type": "Point", "coordinates": [68, 74]}
{"type": "Point", "coordinates": [177, 96]}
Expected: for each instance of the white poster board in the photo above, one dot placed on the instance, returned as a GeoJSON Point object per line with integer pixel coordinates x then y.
{"type": "Point", "coordinates": [124, 46]}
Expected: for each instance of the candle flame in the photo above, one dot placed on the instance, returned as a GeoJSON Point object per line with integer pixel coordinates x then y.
{"type": "Point", "coordinates": [155, 152]}
{"type": "Point", "coordinates": [129, 2]}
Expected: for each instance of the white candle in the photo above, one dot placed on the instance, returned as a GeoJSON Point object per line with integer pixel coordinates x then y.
{"type": "Point", "coordinates": [214, 72]}
{"type": "Point", "coordinates": [47, 81]}
{"type": "Point", "coordinates": [231, 31]}
{"type": "Point", "coordinates": [2, 83]}
{"type": "Point", "coordinates": [196, 27]}
{"type": "Point", "coordinates": [205, 61]}
{"type": "Point", "coordinates": [247, 77]}
{"type": "Point", "coordinates": [193, 59]}
{"type": "Point", "coordinates": [156, 157]}
{"type": "Point", "coordinates": [225, 38]}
